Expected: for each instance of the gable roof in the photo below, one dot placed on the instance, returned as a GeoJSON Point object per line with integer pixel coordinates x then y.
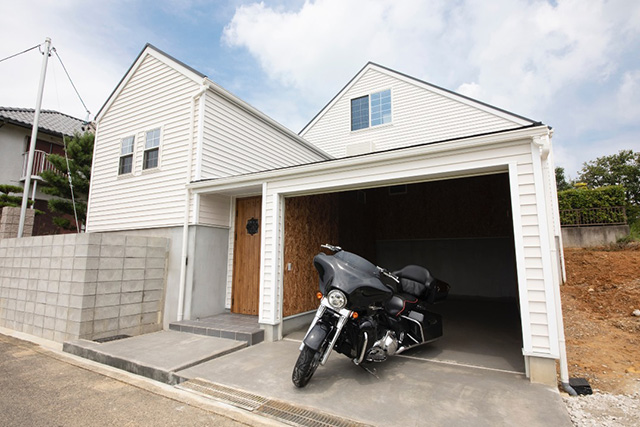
{"type": "Point", "coordinates": [149, 49]}
{"type": "Point", "coordinates": [203, 80]}
{"type": "Point", "coordinates": [51, 122]}
{"type": "Point", "coordinates": [521, 120]}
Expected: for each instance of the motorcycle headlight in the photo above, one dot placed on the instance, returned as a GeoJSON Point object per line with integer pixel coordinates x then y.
{"type": "Point", "coordinates": [337, 299]}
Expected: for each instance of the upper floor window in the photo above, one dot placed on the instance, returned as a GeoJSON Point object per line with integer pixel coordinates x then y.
{"type": "Point", "coordinates": [381, 108]}
{"type": "Point", "coordinates": [360, 113]}
{"type": "Point", "coordinates": [151, 149]}
{"type": "Point", "coordinates": [126, 155]}
{"type": "Point", "coordinates": [379, 104]}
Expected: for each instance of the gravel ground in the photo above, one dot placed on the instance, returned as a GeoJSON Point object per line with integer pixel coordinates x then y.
{"type": "Point", "coordinates": [603, 409]}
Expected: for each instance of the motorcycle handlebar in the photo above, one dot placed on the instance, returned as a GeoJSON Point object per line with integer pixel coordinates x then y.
{"type": "Point", "coordinates": [331, 247]}
{"type": "Point", "coordinates": [388, 274]}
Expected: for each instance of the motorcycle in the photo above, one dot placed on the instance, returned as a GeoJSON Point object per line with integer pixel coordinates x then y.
{"type": "Point", "coordinates": [368, 313]}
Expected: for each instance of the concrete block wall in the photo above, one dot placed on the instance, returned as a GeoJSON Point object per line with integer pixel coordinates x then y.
{"type": "Point", "coordinates": [10, 221]}
{"type": "Point", "coordinates": [82, 285]}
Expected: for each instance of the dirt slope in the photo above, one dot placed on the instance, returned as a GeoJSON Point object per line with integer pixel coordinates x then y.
{"type": "Point", "coordinates": [603, 337]}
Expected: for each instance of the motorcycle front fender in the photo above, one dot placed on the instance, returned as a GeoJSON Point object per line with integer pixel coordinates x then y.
{"type": "Point", "coordinates": [317, 336]}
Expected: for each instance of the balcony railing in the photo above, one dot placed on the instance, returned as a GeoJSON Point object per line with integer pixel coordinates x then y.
{"type": "Point", "coordinates": [615, 215]}
{"type": "Point", "coordinates": [40, 164]}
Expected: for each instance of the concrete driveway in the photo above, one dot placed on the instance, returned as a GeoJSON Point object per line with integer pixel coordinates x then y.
{"type": "Point", "coordinates": [406, 391]}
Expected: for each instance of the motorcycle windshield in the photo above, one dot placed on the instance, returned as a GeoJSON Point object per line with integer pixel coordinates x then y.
{"type": "Point", "coordinates": [352, 274]}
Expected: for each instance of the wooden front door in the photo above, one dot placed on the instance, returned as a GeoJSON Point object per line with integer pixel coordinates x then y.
{"type": "Point", "coordinates": [245, 292]}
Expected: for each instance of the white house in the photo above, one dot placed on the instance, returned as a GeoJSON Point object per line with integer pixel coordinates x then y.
{"type": "Point", "coordinates": [164, 126]}
{"type": "Point", "coordinates": [414, 174]}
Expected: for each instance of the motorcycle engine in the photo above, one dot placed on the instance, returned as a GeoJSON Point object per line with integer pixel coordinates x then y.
{"type": "Point", "coordinates": [383, 348]}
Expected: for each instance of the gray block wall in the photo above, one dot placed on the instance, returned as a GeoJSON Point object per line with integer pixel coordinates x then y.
{"type": "Point", "coordinates": [10, 221]}
{"type": "Point", "coordinates": [82, 285]}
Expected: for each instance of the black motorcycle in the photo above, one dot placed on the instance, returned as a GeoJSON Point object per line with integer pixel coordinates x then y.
{"type": "Point", "coordinates": [368, 313]}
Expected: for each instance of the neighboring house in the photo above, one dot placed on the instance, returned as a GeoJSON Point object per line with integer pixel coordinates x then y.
{"type": "Point", "coordinates": [414, 174]}
{"type": "Point", "coordinates": [15, 135]}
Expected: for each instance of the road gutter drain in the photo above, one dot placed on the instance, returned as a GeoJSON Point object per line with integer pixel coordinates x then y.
{"type": "Point", "coordinates": [274, 409]}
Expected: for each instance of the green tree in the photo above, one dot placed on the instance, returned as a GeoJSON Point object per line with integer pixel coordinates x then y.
{"type": "Point", "coordinates": [561, 181]}
{"type": "Point", "coordinates": [618, 169]}
{"type": "Point", "coordinates": [56, 183]}
{"type": "Point", "coordinates": [6, 198]}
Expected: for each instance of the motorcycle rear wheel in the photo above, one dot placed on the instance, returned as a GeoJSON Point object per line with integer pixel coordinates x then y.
{"type": "Point", "coordinates": [305, 367]}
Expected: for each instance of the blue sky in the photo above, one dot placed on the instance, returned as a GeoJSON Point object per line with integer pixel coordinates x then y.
{"type": "Point", "coordinates": [572, 64]}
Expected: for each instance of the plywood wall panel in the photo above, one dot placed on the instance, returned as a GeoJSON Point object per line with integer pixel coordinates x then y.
{"type": "Point", "coordinates": [309, 222]}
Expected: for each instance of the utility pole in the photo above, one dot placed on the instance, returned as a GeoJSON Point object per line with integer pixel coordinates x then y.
{"type": "Point", "coordinates": [34, 135]}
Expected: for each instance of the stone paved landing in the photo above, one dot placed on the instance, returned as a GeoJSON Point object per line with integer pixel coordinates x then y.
{"type": "Point", "coordinates": [237, 327]}
{"type": "Point", "coordinates": [158, 355]}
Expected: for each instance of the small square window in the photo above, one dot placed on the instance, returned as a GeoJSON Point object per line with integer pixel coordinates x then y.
{"type": "Point", "coordinates": [151, 149]}
{"type": "Point", "coordinates": [126, 156]}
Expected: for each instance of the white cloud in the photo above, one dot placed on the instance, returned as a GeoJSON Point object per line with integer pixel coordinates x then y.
{"type": "Point", "coordinates": [92, 42]}
{"type": "Point", "coordinates": [628, 97]}
{"type": "Point", "coordinates": [568, 63]}
{"type": "Point", "coordinates": [318, 47]}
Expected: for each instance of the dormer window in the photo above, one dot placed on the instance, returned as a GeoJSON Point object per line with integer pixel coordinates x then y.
{"type": "Point", "coordinates": [379, 104]}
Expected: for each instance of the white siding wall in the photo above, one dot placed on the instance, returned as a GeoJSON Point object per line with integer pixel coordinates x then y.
{"type": "Point", "coordinates": [160, 97]}
{"type": "Point", "coordinates": [214, 210]}
{"type": "Point", "coordinates": [237, 142]}
{"type": "Point", "coordinates": [537, 303]}
{"type": "Point", "coordinates": [13, 142]}
{"type": "Point", "coordinates": [419, 116]}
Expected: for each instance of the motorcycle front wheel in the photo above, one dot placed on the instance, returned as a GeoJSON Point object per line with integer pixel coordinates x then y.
{"type": "Point", "coordinates": [306, 365]}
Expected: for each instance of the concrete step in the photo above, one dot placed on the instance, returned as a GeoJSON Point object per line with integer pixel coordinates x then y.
{"type": "Point", "coordinates": [158, 355]}
{"type": "Point", "coordinates": [237, 327]}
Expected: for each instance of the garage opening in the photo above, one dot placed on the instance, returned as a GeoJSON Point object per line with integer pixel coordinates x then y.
{"type": "Point", "coordinates": [460, 229]}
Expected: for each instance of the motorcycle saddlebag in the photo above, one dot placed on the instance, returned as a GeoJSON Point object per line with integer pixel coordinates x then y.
{"type": "Point", "coordinates": [440, 291]}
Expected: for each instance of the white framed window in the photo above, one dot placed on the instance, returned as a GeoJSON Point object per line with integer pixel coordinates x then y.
{"type": "Point", "coordinates": [371, 110]}
{"type": "Point", "coordinates": [151, 149]}
{"type": "Point", "coordinates": [360, 113]}
{"type": "Point", "coordinates": [125, 165]}
{"type": "Point", "coordinates": [381, 107]}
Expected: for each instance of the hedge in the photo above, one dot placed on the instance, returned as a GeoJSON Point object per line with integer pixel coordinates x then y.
{"type": "Point", "coordinates": [588, 200]}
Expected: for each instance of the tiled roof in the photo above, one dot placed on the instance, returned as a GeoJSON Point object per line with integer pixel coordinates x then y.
{"type": "Point", "coordinates": [50, 121]}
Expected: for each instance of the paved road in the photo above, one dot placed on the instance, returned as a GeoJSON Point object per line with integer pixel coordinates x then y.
{"type": "Point", "coordinates": [39, 387]}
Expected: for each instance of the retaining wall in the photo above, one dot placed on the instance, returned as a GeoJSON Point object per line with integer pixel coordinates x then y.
{"type": "Point", "coordinates": [584, 237]}
{"type": "Point", "coordinates": [82, 285]}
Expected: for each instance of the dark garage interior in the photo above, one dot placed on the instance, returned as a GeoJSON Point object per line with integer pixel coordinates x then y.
{"type": "Point", "coordinates": [460, 229]}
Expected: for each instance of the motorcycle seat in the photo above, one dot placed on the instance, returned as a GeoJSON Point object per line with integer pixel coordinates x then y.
{"type": "Point", "coordinates": [400, 304]}
{"type": "Point", "coordinates": [416, 281]}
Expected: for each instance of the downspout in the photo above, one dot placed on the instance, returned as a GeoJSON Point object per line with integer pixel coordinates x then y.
{"type": "Point", "coordinates": [187, 198]}
{"type": "Point", "coordinates": [545, 148]}
{"type": "Point", "coordinates": [188, 291]}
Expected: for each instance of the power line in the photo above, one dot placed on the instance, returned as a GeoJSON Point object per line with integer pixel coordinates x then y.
{"type": "Point", "coordinates": [20, 53]}
{"type": "Point", "coordinates": [71, 81]}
